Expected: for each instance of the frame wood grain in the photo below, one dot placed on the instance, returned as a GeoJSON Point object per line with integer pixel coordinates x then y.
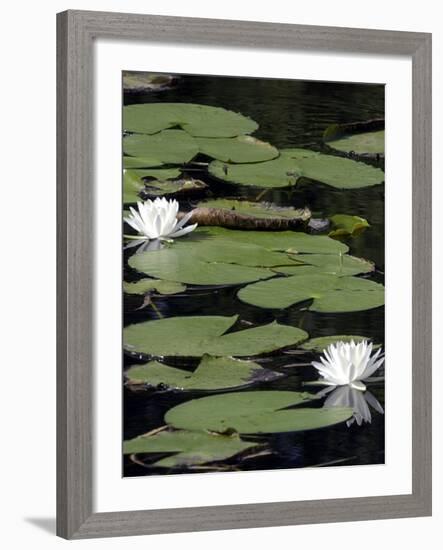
{"type": "Point", "coordinates": [76, 32]}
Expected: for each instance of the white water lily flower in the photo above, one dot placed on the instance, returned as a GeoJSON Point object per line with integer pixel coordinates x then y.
{"type": "Point", "coordinates": [358, 401]}
{"type": "Point", "coordinates": [158, 220]}
{"type": "Point", "coordinates": [348, 363]}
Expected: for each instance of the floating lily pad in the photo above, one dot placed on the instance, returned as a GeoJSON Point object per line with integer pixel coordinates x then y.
{"type": "Point", "coordinates": [321, 343]}
{"type": "Point", "coordinates": [280, 172]}
{"type": "Point", "coordinates": [147, 285]}
{"type": "Point", "coordinates": [253, 413]}
{"type": "Point", "coordinates": [213, 373]}
{"type": "Point", "coordinates": [368, 142]}
{"type": "Point", "coordinates": [338, 172]}
{"type": "Point", "coordinates": [140, 162]}
{"type": "Point", "coordinates": [201, 263]}
{"type": "Point", "coordinates": [189, 448]}
{"type": "Point", "coordinates": [168, 146]}
{"type": "Point", "coordinates": [132, 185]}
{"type": "Point", "coordinates": [237, 149]}
{"type": "Point", "coordinates": [133, 181]}
{"type": "Point", "coordinates": [218, 256]}
{"type": "Point", "coordinates": [263, 210]}
{"type": "Point", "coordinates": [196, 120]}
{"type": "Point", "coordinates": [185, 186]}
{"type": "Point", "coordinates": [294, 164]}
{"type": "Point", "coordinates": [197, 336]}
{"type": "Point", "coordinates": [335, 264]}
{"type": "Point", "coordinates": [345, 225]}
{"type": "Point", "coordinates": [329, 293]}
{"type": "Point", "coordinates": [291, 241]}
{"type": "Point", "coordinates": [179, 265]}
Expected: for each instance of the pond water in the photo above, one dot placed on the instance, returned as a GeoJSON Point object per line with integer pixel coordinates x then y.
{"type": "Point", "coordinates": [290, 114]}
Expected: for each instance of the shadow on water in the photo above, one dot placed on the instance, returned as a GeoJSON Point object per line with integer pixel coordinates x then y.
{"type": "Point", "coordinates": [290, 114]}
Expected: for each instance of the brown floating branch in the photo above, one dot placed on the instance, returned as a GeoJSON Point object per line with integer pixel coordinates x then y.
{"type": "Point", "coordinates": [233, 220]}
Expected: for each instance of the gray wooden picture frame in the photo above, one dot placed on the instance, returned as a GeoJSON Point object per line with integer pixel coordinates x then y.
{"type": "Point", "coordinates": [76, 32]}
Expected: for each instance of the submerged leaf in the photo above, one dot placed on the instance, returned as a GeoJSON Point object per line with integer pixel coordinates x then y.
{"type": "Point", "coordinates": [213, 373]}
{"type": "Point", "coordinates": [254, 412]}
{"type": "Point", "coordinates": [196, 336]}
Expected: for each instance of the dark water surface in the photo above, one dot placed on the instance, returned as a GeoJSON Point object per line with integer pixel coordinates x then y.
{"type": "Point", "coordinates": [289, 114]}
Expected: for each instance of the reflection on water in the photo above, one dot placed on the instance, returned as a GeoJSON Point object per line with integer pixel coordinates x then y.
{"type": "Point", "coordinates": [290, 113]}
{"type": "Point", "coordinates": [358, 401]}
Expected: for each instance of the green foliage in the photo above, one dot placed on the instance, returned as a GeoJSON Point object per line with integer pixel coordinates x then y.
{"type": "Point", "coordinates": [195, 336]}
{"type": "Point", "coordinates": [254, 412]}
{"type": "Point", "coordinates": [187, 448]}
{"type": "Point", "coordinates": [196, 120]}
{"type": "Point", "coordinates": [329, 293]}
{"type": "Point", "coordinates": [213, 373]}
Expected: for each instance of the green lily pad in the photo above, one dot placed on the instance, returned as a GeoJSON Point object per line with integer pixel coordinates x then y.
{"type": "Point", "coordinates": [294, 164]}
{"type": "Point", "coordinates": [132, 185]}
{"type": "Point", "coordinates": [196, 120]}
{"type": "Point", "coordinates": [329, 293]}
{"type": "Point", "coordinates": [168, 146]}
{"type": "Point", "coordinates": [321, 343]}
{"type": "Point", "coordinates": [218, 256]}
{"type": "Point", "coordinates": [140, 162]}
{"type": "Point", "coordinates": [189, 448]}
{"type": "Point", "coordinates": [368, 142]}
{"type": "Point", "coordinates": [197, 336]}
{"type": "Point", "coordinates": [133, 181]}
{"type": "Point", "coordinates": [280, 172]}
{"type": "Point", "coordinates": [212, 374]}
{"type": "Point", "coordinates": [177, 265]}
{"type": "Point", "coordinates": [335, 264]}
{"type": "Point", "coordinates": [147, 285]}
{"type": "Point", "coordinates": [285, 241]}
{"type": "Point", "coordinates": [182, 186]}
{"type": "Point", "coordinates": [345, 225]}
{"type": "Point", "coordinates": [237, 149]}
{"type": "Point", "coordinates": [338, 172]}
{"type": "Point", "coordinates": [254, 413]}
{"type": "Point", "coordinates": [202, 263]}
{"type": "Point", "coordinates": [263, 210]}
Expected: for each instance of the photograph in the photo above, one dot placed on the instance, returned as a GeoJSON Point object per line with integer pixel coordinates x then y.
{"type": "Point", "coordinates": [253, 258]}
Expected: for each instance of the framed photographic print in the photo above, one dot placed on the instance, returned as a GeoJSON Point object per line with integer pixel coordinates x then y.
{"type": "Point", "coordinates": [244, 279]}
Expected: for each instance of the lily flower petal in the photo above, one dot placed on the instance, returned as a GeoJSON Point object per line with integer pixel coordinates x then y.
{"type": "Point", "coordinates": [157, 220]}
{"type": "Point", "coordinates": [348, 364]}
